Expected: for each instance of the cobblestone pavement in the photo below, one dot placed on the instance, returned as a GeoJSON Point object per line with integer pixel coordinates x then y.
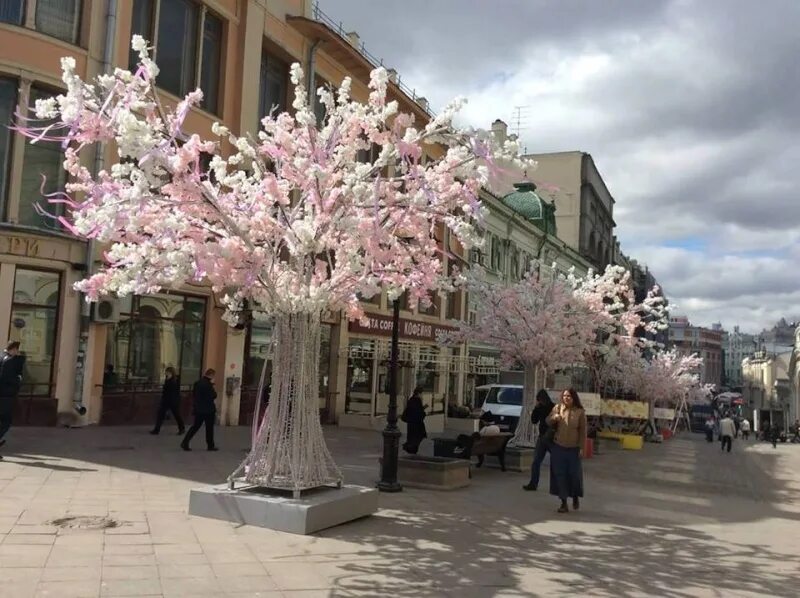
{"type": "Point", "coordinates": [678, 519]}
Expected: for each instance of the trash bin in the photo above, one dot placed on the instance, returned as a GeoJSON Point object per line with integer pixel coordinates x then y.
{"type": "Point", "coordinates": [588, 449]}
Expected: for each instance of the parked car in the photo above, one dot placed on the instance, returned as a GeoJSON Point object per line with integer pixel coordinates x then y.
{"type": "Point", "coordinates": [503, 401]}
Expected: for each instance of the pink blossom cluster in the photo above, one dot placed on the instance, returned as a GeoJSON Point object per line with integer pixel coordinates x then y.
{"type": "Point", "coordinates": [539, 321]}
{"type": "Point", "coordinates": [298, 219]}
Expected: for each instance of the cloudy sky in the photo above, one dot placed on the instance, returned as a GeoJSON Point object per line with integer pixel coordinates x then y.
{"type": "Point", "coordinates": [690, 108]}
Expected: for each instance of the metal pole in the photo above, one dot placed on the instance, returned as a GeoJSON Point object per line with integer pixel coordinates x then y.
{"type": "Point", "coordinates": [391, 433]}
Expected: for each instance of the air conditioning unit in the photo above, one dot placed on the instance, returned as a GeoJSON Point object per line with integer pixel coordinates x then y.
{"type": "Point", "coordinates": [106, 311]}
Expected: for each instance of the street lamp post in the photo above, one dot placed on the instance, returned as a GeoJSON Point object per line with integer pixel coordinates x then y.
{"type": "Point", "coordinates": [391, 433]}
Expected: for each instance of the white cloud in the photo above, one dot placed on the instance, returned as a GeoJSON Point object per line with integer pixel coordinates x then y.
{"type": "Point", "coordinates": [688, 108]}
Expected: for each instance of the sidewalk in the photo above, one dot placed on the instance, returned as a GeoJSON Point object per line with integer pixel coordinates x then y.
{"type": "Point", "coordinates": [679, 519]}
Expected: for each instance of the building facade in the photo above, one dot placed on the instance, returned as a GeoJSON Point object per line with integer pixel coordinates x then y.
{"type": "Point", "coordinates": [767, 388]}
{"type": "Point", "coordinates": [584, 205]}
{"type": "Point", "coordinates": [521, 229]}
{"type": "Point", "coordinates": [736, 346]}
{"type": "Point", "coordinates": [238, 52]}
{"type": "Point", "coordinates": [704, 342]}
{"type": "Point", "coordinates": [111, 358]}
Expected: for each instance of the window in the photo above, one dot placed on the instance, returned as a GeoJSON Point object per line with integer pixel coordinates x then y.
{"type": "Point", "coordinates": [154, 332]}
{"type": "Point", "coordinates": [210, 63]}
{"type": "Point", "coordinates": [59, 18]}
{"type": "Point", "coordinates": [258, 348]}
{"type": "Point", "coordinates": [11, 11]}
{"type": "Point", "coordinates": [188, 46]}
{"type": "Point", "coordinates": [141, 24]}
{"type": "Point", "coordinates": [319, 107]}
{"type": "Point", "coordinates": [42, 174]}
{"type": "Point", "coordinates": [34, 321]}
{"type": "Point", "coordinates": [8, 102]}
{"type": "Point", "coordinates": [176, 49]}
{"type": "Point", "coordinates": [274, 85]}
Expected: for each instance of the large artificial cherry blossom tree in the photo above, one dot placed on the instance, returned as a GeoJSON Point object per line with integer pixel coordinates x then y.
{"type": "Point", "coordinates": [291, 222]}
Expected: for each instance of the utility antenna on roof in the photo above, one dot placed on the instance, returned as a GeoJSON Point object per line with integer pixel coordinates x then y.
{"type": "Point", "coordinates": [519, 122]}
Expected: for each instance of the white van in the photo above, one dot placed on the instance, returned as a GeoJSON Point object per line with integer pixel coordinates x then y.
{"type": "Point", "coordinates": [503, 401]}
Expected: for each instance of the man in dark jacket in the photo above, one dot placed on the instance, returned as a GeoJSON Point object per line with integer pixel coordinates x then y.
{"type": "Point", "coordinates": [11, 363]}
{"type": "Point", "coordinates": [170, 401]}
{"type": "Point", "coordinates": [205, 411]}
{"type": "Point", "coordinates": [544, 405]}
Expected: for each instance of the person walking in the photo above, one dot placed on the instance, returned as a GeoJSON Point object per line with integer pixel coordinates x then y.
{"type": "Point", "coordinates": [745, 427]}
{"type": "Point", "coordinates": [11, 364]}
{"type": "Point", "coordinates": [727, 429]}
{"type": "Point", "coordinates": [796, 431]}
{"type": "Point", "coordinates": [566, 474]}
{"type": "Point", "coordinates": [205, 410]}
{"type": "Point", "coordinates": [414, 417]}
{"type": "Point", "coordinates": [544, 405]}
{"type": "Point", "coordinates": [170, 401]}
{"type": "Point", "coordinates": [774, 435]}
{"type": "Point", "coordinates": [710, 429]}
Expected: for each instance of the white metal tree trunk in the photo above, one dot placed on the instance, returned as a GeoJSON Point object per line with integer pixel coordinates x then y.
{"type": "Point", "coordinates": [526, 432]}
{"type": "Point", "coordinates": [289, 452]}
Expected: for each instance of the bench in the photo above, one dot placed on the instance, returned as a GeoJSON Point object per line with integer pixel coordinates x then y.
{"type": "Point", "coordinates": [632, 442]}
{"type": "Point", "coordinates": [474, 445]}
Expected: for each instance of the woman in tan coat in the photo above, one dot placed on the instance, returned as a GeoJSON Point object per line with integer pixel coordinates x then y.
{"type": "Point", "coordinates": [566, 475]}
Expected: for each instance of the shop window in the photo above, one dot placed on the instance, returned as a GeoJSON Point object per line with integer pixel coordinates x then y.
{"type": "Point", "coordinates": [156, 332]}
{"type": "Point", "coordinates": [59, 18]}
{"type": "Point", "coordinates": [274, 85]}
{"type": "Point", "coordinates": [34, 322]}
{"type": "Point", "coordinates": [12, 11]}
{"type": "Point", "coordinates": [8, 102]}
{"type": "Point", "coordinates": [258, 351]}
{"type": "Point", "coordinates": [360, 374]}
{"type": "Point", "coordinates": [42, 174]}
{"type": "Point", "coordinates": [188, 44]}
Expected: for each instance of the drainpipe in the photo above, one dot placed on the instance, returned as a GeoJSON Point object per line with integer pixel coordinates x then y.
{"type": "Point", "coordinates": [311, 74]}
{"type": "Point", "coordinates": [85, 313]}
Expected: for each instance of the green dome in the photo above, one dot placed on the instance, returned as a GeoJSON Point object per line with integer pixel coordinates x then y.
{"type": "Point", "coordinates": [527, 203]}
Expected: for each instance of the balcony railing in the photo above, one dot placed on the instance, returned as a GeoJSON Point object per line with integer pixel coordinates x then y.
{"type": "Point", "coordinates": [320, 16]}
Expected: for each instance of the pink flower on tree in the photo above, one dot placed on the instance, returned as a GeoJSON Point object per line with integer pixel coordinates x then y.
{"type": "Point", "coordinates": [292, 222]}
{"type": "Point", "coordinates": [538, 323]}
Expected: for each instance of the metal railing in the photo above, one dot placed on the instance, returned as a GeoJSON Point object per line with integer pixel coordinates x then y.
{"type": "Point", "coordinates": [320, 16]}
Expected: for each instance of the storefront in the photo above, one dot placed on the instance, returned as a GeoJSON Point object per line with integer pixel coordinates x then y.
{"type": "Point", "coordinates": [423, 364]}
{"type": "Point", "coordinates": [39, 308]}
{"type": "Point", "coordinates": [258, 350]}
{"type": "Point", "coordinates": [128, 356]}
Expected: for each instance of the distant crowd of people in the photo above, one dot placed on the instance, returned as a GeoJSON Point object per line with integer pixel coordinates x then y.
{"type": "Point", "coordinates": [728, 427]}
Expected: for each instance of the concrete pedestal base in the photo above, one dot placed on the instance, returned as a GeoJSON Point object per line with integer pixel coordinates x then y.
{"type": "Point", "coordinates": [433, 473]}
{"type": "Point", "coordinates": [315, 510]}
{"type": "Point", "coordinates": [519, 459]}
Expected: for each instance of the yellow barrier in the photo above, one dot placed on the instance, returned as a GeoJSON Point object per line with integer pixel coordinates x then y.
{"type": "Point", "coordinates": [629, 442]}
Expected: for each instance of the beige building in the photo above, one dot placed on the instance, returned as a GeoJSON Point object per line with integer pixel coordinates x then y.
{"type": "Point", "coordinates": [584, 205]}
{"type": "Point", "coordinates": [767, 389]}
{"type": "Point", "coordinates": [112, 358]}
{"type": "Point", "coordinates": [238, 52]}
